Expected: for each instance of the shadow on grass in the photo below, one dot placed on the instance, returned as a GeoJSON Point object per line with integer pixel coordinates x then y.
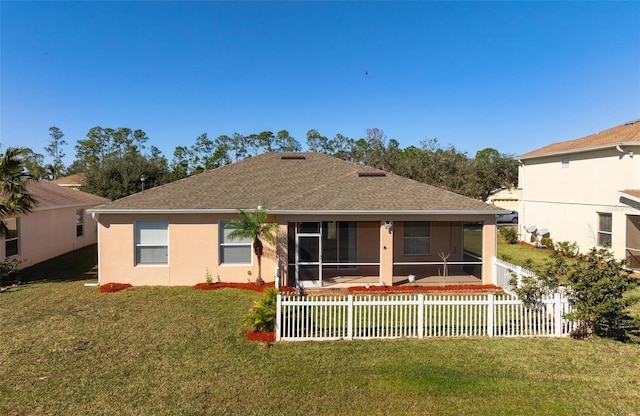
{"type": "Point", "coordinates": [81, 264]}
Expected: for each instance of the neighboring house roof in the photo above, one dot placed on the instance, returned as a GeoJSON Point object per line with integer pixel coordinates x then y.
{"type": "Point", "coordinates": [297, 183]}
{"type": "Point", "coordinates": [50, 196]}
{"type": "Point", "coordinates": [633, 192]}
{"type": "Point", "coordinates": [75, 180]}
{"type": "Point", "coordinates": [631, 197]}
{"type": "Point", "coordinates": [627, 134]}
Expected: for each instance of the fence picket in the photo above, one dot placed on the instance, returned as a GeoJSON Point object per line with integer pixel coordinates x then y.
{"type": "Point", "coordinates": [417, 316]}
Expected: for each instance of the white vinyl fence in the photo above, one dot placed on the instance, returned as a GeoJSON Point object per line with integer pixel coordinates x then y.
{"type": "Point", "coordinates": [504, 271]}
{"type": "Point", "coordinates": [417, 316]}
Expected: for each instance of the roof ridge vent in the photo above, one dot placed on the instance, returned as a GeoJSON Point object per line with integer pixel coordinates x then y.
{"type": "Point", "coordinates": [293, 157]}
{"type": "Point", "coordinates": [632, 122]}
{"type": "Point", "coordinates": [371, 174]}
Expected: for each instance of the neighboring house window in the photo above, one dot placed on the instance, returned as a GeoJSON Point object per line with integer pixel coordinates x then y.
{"type": "Point", "coordinates": [233, 251]}
{"type": "Point", "coordinates": [79, 223]}
{"type": "Point", "coordinates": [417, 238]}
{"type": "Point", "coordinates": [152, 242]}
{"type": "Point", "coordinates": [11, 241]}
{"type": "Point", "coordinates": [604, 229]}
{"type": "Point", "coordinates": [565, 162]}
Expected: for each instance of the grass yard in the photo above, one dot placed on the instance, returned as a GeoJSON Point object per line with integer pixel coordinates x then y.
{"type": "Point", "coordinates": [68, 349]}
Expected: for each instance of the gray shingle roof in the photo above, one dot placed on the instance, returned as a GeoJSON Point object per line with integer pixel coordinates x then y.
{"type": "Point", "coordinates": [286, 182]}
{"type": "Point", "coordinates": [50, 195]}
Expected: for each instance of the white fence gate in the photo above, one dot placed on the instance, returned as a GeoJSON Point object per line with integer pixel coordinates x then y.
{"type": "Point", "coordinates": [417, 316]}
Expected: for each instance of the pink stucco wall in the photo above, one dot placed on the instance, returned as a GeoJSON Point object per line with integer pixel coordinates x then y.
{"type": "Point", "coordinates": [193, 250]}
{"type": "Point", "coordinates": [45, 234]}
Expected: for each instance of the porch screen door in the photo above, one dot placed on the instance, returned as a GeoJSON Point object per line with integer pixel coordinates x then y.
{"type": "Point", "coordinates": [308, 258]}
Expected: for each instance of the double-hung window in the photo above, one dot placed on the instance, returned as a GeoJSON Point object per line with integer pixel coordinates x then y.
{"type": "Point", "coordinates": [152, 242]}
{"type": "Point", "coordinates": [604, 229]}
{"type": "Point", "coordinates": [233, 250]}
{"type": "Point", "coordinates": [417, 238]}
{"type": "Point", "coordinates": [79, 223]}
{"type": "Point", "coordinates": [12, 237]}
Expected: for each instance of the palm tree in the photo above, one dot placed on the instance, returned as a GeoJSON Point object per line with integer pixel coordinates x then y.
{"type": "Point", "coordinates": [15, 199]}
{"type": "Point", "coordinates": [253, 225]}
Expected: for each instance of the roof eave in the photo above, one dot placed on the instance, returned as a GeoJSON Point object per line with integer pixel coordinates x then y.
{"type": "Point", "coordinates": [75, 205]}
{"type": "Point", "coordinates": [301, 212]}
{"type": "Point", "coordinates": [628, 196]}
{"type": "Point", "coordinates": [580, 150]}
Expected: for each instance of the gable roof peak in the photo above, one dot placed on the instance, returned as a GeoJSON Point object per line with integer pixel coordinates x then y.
{"type": "Point", "coordinates": [624, 134]}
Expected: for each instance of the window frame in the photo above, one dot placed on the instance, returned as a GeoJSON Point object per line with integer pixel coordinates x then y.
{"type": "Point", "coordinates": [342, 229]}
{"type": "Point", "coordinates": [426, 238]}
{"type": "Point", "coordinates": [222, 225]}
{"type": "Point", "coordinates": [603, 233]}
{"type": "Point", "coordinates": [15, 239]}
{"type": "Point", "coordinates": [79, 222]}
{"type": "Point", "coordinates": [137, 244]}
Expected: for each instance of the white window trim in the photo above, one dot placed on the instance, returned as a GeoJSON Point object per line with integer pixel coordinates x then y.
{"type": "Point", "coordinates": [136, 245]}
{"type": "Point", "coordinates": [81, 223]}
{"type": "Point", "coordinates": [16, 238]}
{"type": "Point", "coordinates": [221, 244]}
{"type": "Point", "coordinates": [404, 238]}
{"type": "Point", "coordinates": [599, 231]}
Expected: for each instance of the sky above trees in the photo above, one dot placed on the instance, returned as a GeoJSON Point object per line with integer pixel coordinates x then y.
{"type": "Point", "coordinates": [513, 76]}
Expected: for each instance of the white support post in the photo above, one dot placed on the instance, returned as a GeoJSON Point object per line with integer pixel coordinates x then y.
{"type": "Point", "coordinates": [276, 277]}
{"type": "Point", "coordinates": [490, 313]}
{"type": "Point", "coordinates": [557, 310]}
{"type": "Point", "coordinates": [494, 270]}
{"type": "Point", "coordinates": [421, 315]}
{"type": "Point", "coordinates": [350, 317]}
{"type": "Point", "coordinates": [278, 317]}
{"type": "Point", "coordinates": [519, 273]}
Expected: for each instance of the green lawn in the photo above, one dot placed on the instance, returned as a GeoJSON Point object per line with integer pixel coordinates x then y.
{"type": "Point", "coordinates": [519, 254]}
{"type": "Point", "coordinates": [68, 349]}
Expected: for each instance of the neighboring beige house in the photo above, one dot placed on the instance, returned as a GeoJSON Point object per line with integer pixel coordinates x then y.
{"type": "Point", "coordinates": [586, 190]}
{"type": "Point", "coordinates": [506, 198]}
{"type": "Point", "coordinates": [339, 223]}
{"type": "Point", "coordinates": [59, 223]}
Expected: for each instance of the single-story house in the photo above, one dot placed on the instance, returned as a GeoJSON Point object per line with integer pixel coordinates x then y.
{"type": "Point", "coordinates": [75, 181]}
{"type": "Point", "coordinates": [58, 224]}
{"type": "Point", "coordinates": [339, 223]}
{"type": "Point", "coordinates": [585, 190]}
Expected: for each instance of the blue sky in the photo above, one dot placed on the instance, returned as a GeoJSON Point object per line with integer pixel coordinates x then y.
{"type": "Point", "coordinates": [510, 75]}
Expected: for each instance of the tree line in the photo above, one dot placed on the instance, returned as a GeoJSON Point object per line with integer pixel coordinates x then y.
{"type": "Point", "coordinates": [113, 160]}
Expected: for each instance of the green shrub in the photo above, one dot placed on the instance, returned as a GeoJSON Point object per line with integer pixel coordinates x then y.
{"type": "Point", "coordinates": [547, 242]}
{"type": "Point", "coordinates": [596, 284]}
{"type": "Point", "coordinates": [262, 317]}
{"type": "Point", "coordinates": [9, 269]}
{"type": "Point", "coordinates": [567, 249]}
{"type": "Point", "coordinates": [509, 234]}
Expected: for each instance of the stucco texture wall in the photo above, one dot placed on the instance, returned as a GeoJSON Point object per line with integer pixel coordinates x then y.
{"type": "Point", "coordinates": [565, 198]}
{"type": "Point", "coordinates": [45, 234]}
{"type": "Point", "coordinates": [193, 251]}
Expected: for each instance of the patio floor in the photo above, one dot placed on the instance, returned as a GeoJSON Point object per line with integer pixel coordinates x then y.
{"type": "Point", "coordinates": [347, 281]}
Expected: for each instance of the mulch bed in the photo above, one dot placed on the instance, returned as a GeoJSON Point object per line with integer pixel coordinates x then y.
{"type": "Point", "coordinates": [243, 286]}
{"type": "Point", "coordinates": [260, 336]}
{"type": "Point", "coordinates": [113, 287]}
{"type": "Point", "coordinates": [423, 289]}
